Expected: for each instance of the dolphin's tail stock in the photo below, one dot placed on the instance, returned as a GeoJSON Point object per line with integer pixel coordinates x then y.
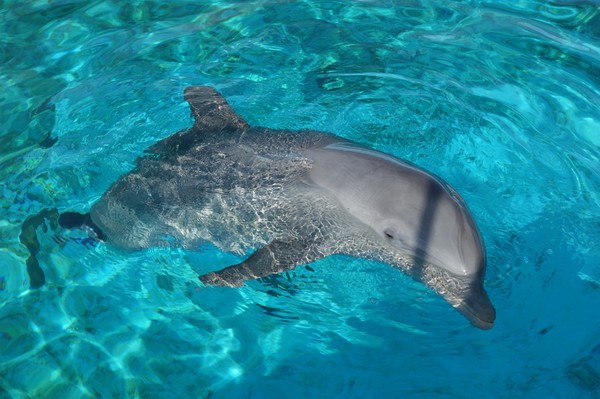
{"type": "Point", "coordinates": [76, 220]}
{"type": "Point", "coordinates": [51, 218]}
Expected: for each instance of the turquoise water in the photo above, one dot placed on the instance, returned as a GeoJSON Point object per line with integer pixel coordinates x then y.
{"type": "Point", "coordinates": [501, 99]}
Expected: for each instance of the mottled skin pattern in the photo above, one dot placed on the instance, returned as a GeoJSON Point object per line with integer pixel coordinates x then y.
{"type": "Point", "coordinates": [249, 190]}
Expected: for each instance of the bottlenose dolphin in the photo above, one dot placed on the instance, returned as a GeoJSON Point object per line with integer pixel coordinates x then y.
{"type": "Point", "coordinates": [289, 198]}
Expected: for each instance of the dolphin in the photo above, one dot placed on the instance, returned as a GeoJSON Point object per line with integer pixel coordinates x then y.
{"type": "Point", "coordinates": [288, 198]}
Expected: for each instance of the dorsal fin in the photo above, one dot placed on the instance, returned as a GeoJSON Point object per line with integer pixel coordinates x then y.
{"type": "Point", "coordinates": [212, 114]}
{"type": "Point", "coordinates": [211, 111]}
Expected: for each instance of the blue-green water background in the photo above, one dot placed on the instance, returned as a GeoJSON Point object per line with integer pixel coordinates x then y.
{"type": "Point", "coordinates": [502, 99]}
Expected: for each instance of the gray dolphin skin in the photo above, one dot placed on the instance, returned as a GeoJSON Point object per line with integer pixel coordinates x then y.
{"type": "Point", "coordinates": [288, 198]}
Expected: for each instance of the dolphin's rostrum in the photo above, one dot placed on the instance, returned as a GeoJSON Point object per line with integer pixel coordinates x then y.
{"type": "Point", "coordinates": [290, 198]}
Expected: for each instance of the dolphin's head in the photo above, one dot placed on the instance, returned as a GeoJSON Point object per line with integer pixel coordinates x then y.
{"type": "Point", "coordinates": [441, 236]}
{"type": "Point", "coordinates": [432, 223]}
{"type": "Point", "coordinates": [420, 219]}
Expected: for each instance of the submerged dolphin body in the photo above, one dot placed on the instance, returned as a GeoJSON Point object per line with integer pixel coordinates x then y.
{"type": "Point", "coordinates": [294, 197]}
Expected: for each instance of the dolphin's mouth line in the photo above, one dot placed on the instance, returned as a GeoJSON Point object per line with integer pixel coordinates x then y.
{"type": "Point", "coordinates": [475, 319]}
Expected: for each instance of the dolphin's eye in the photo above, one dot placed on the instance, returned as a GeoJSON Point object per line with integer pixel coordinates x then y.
{"type": "Point", "coordinates": [389, 234]}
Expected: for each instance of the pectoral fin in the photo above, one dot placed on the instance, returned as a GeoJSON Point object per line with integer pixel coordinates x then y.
{"type": "Point", "coordinates": [276, 257]}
